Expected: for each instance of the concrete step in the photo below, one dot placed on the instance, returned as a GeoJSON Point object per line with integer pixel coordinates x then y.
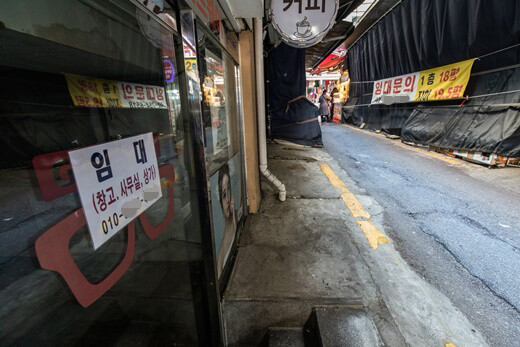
{"type": "Point", "coordinates": [346, 327]}
{"type": "Point", "coordinates": [248, 320]}
{"type": "Point", "coordinates": [286, 337]}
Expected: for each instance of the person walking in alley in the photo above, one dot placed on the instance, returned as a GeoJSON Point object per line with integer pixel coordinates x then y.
{"type": "Point", "coordinates": [324, 106]}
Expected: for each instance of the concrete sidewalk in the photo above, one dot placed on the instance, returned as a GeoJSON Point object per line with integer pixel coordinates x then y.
{"type": "Point", "coordinates": [296, 255]}
{"type": "Point", "coordinates": [310, 251]}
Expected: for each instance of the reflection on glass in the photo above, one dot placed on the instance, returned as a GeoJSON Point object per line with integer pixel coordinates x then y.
{"type": "Point", "coordinates": [226, 200]}
{"type": "Point", "coordinates": [128, 55]}
{"type": "Point", "coordinates": [219, 104]}
{"type": "Point", "coordinates": [215, 101]}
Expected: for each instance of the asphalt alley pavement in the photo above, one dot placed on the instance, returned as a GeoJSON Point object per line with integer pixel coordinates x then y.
{"type": "Point", "coordinates": [456, 225]}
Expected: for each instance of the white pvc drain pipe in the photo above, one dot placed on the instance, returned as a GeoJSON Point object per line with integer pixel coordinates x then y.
{"type": "Point", "coordinates": [260, 100]}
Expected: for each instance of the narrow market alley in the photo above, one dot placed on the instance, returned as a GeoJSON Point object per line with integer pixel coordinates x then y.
{"type": "Point", "coordinates": [267, 173]}
{"type": "Point", "coordinates": [425, 243]}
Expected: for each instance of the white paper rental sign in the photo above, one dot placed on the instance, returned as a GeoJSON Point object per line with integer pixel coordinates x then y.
{"type": "Point", "coordinates": [117, 181]}
{"type": "Point", "coordinates": [403, 87]}
{"type": "Point", "coordinates": [303, 23]}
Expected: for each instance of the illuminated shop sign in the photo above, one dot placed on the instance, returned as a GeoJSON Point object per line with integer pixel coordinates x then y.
{"type": "Point", "coordinates": [169, 71]}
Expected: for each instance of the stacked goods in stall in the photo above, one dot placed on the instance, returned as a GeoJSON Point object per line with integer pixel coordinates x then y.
{"type": "Point", "coordinates": [491, 160]}
{"type": "Point", "coordinates": [341, 96]}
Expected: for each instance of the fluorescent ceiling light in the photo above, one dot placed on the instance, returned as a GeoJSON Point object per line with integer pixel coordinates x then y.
{"type": "Point", "coordinates": [355, 16]}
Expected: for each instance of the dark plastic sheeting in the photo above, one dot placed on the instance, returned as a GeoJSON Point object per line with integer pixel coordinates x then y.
{"type": "Point", "coordinates": [284, 127]}
{"type": "Point", "coordinates": [475, 127]}
{"type": "Point", "coordinates": [287, 81]}
{"type": "Point", "coordinates": [376, 117]}
{"type": "Point", "coordinates": [423, 34]}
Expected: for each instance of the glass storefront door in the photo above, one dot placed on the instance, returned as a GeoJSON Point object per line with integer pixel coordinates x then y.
{"type": "Point", "coordinates": [75, 74]}
{"type": "Point", "coordinates": [222, 122]}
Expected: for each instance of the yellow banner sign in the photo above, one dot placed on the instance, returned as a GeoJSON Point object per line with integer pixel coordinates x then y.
{"type": "Point", "coordinates": [446, 82]}
{"type": "Point", "coordinates": [93, 92]}
{"type": "Point", "coordinates": [442, 83]}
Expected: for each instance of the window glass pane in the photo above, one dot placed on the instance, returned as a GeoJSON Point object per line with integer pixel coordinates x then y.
{"type": "Point", "coordinates": [232, 102]}
{"type": "Point", "coordinates": [220, 107]}
{"type": "Point", "coordinates": [219, 104]}
{"type": "Point", "coordinates": [73, 74]}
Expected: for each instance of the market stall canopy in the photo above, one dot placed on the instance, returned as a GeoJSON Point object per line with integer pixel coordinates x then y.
{"type": "Point", "coordinates": [334, 37]}
{"type": "Point", "coordinates": [332, 62]}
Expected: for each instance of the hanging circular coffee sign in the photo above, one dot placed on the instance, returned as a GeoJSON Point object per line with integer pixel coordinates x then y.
{"type": "Point", "coordinates": [303, 23]}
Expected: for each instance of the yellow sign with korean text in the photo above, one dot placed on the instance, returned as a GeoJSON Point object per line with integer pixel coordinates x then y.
{"type": "Point", "coordinates": [445, 82]}
{"type": "Point", "coordinates": [191, 65]}
{"type": "Point", "coordinates": [93, 92]}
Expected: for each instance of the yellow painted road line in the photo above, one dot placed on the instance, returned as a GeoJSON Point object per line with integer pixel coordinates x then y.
{"type": "Point", "coordinates": [435, 155]}
{"type": "Point", "coordinates": [334, 180]}
{"type": "Point", "coordinates": [373, 235]}
{"type": "Point", "coordinates": [354, 205]}
{"type": "Point", "coordinates": [350, 200]}
{"type": "Point", "coordinates": [449, 345]}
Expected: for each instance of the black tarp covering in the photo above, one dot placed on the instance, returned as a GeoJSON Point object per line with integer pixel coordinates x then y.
{"type": "Point", "coordinates": [423, 34]}
{"type": "Point", "coordinates": [299, 124]}
{"type": "Point", "coordinates": [387, 118]}
{"type": "Point", "coordinates": [287, 81]}
{"type": "Point", "coordinates": [477, 126]}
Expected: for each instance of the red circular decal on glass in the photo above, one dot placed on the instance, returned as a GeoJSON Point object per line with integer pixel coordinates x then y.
{"type": "Point", "coordinates": [169, 70]}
